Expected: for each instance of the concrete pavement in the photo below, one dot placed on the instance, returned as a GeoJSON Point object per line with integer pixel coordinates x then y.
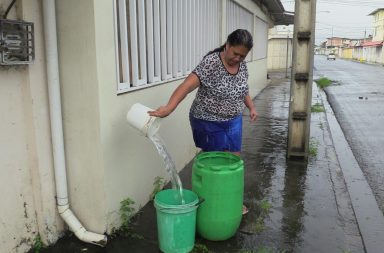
{"type": "Point", "coordinates": [308, 204]}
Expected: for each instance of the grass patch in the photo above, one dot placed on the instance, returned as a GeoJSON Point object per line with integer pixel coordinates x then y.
{"type": "Point", "coordinates": [38, 244]}
{"type": "Point", "coordinates": [263, 249]}
{"type": "Point", "coordinates": [323, 82]}
{"type": "Point", "coordinates": [264, 206]}
{"type": "Point", "coordinates": [126, 214]}
{"type": "Point", "coordinates": [317, 108]}
{"type": "Point", "coordinates": [158, 185]}
{"type": "Point", "coordinates": [313, 147]}
{"type": "Point", "coordinates": [200, 248]}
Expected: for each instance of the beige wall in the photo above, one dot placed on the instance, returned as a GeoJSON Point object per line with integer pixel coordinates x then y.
{"type": "Point", "coordinates": [378, 25]}
{"type": "Point", "coordinates": [373, 54]}
{"type": "Point", "coordinates": [347, 53]}
{"type": "Point", "coordinates": [28, 194]}
{"type": "Point", "coordinates": [257, 76]}
{"type": "Point", "coordinates": [277, 53]}
{"type": "Point", "coordinates": [107, 160]}
{"type": "Point", "coordinates": [17, 219]}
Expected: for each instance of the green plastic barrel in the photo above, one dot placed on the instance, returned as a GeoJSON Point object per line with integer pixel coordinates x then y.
{"type": "Point", "coordinates": [218, 177]}
{"type": "Point", "coordinates": [176, 222]}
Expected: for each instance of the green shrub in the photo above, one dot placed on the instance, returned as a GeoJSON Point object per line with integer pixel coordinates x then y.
{"type": "Point", "coordinates": [313, 147]}
{"type": "Point", "coordinates": [38, 244]}
{"type": "Point", "coordinates": [126, 213]}
{"type": "Point", "coordinates": [200, 248]}
{"type": "Point", "coordinates": [158, 185]}
{"type": "Point", "coordinates": [317, 108]}
{"type": "Point", "coordinates": [323, 82]}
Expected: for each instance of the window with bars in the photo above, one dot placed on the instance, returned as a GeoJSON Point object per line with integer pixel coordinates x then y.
{"type": "Point", "coordinates": [162, 40]}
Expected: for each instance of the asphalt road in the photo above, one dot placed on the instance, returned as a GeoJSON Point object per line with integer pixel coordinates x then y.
{"type": "Point", "coordinates": [357, 99]}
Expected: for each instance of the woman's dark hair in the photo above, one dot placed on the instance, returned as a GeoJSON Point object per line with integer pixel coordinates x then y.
{"type": "Point", "coordinates": [239, 37]}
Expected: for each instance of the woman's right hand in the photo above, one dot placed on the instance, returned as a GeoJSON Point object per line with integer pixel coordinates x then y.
{"type": "Point", "coordinates": [162, 111]}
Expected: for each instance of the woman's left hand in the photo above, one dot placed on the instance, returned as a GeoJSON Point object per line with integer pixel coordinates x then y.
{"type": "Point", "coordinates": [251, 107]}
{"type": "Point", "coordinates": [253, 114]}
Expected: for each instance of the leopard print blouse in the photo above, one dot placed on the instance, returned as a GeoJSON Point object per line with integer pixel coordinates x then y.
{"type": "Point", "coordinates": [220, 96]}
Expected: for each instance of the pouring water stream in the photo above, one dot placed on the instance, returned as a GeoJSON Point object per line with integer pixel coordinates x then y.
{"type": "Point", "coordinates": [169, 165]}
{"type": "Point", "coordinates": [148, 125]}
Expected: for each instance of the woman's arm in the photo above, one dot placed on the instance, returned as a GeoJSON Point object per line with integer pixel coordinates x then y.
{"type": "Point", "coordinates": [252, 110]}
{"type": "Point", "coordinates": [188, 85]}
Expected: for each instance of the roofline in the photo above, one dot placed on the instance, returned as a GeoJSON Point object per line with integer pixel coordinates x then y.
{"type": "Point", "coordinates": [277, 12]}
{"type": "Point", "coordinates": [375, 11]}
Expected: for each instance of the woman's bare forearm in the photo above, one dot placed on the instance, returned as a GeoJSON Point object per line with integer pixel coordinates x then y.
{"type": "Point", "coordinates": [187, 86]}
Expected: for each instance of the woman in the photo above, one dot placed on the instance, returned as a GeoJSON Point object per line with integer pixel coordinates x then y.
{"type": "Point", "coordinates": [222, 82]}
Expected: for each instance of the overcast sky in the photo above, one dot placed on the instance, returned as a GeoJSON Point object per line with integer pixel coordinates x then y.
{"type": "Point", "coordinates": [343, 18]}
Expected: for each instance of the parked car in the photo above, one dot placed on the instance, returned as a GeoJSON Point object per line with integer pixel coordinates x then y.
{"type": "Point", "coordinates": [331, 56]}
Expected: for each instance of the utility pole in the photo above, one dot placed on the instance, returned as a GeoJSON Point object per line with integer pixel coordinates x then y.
{"type": "Point", "coordinates": [301, 79]}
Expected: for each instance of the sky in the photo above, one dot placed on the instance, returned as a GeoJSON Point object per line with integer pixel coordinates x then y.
{"type": "Point", "coordinates": [342, 18]}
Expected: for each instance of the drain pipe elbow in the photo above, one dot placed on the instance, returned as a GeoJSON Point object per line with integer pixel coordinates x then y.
{"type": "Point", "coordinates": [78, 229]}
{"type": "Point", "coordinates": [57, 129]}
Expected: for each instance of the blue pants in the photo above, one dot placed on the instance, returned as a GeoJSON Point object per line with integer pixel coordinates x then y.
{"type": "Point", "coordinates": [217, 135]}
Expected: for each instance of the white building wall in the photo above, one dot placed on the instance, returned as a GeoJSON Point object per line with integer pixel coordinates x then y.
{"type": "Point", "coordinates": [26, 183]}
{"type": "Point", "coordinates": [279, 40]}
{"type": "Point", "coordinates": [106, 157]}
{"type": "Point", "coordinates": [17, 219]}
{"type": "Point", "coordinates": [373, 54]}
{"type": "Point", "coordinates": [277, 53]}
{"type": "Point", "coordinates": [107, 160]}
{"type": "Point", "coordinates": [378, 25]}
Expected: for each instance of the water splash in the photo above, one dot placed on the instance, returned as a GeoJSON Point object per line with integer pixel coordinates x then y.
{"type": "Point", "coordinates": [169, 165]}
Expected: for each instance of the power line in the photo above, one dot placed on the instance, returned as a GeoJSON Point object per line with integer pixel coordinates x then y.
{"type": "Point", "coordinates": [342, 3]}
{"type": "Point", "coordinates": [369, 2]}
{"type": "Point", "coordinates": [346, 27]}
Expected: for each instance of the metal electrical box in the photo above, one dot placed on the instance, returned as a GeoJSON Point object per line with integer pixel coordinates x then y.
{"type": "Point", "coordinates": [17, 43]}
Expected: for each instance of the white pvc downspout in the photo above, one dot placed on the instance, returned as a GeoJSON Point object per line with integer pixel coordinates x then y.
{"type": "Point", "coordinates": [57, 129]}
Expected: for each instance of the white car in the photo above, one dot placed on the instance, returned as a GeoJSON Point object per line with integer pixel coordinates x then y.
{"type": "Point", "coordinates": [331, 56]}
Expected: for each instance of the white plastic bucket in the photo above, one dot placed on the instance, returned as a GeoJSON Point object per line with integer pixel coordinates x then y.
{"type": "Point", "coordinates": [139, 118]}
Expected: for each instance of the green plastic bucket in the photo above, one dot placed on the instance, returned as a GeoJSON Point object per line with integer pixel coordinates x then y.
{"type": "Point", "coordinates": [218, 177]}
{"type": "Point", "coordinates": [176, 222]}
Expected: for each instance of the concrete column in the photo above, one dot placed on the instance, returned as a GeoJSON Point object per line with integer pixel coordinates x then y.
{"type": "Point", "coordinates": [301, 79]}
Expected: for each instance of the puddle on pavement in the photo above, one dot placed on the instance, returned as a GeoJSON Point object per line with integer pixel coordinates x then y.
{"type": "Point", "coordinates": [309, 208]}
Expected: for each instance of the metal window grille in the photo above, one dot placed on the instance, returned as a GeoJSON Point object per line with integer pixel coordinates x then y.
{"type": "Point", "coordinates": [161, 40]}
{"type": "Point", "coordinates": [16, 42]}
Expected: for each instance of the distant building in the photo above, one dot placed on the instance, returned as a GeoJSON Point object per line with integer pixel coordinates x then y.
{"type": "Point", "coordinates": [373, 50]}
{"type": "Point", "coordinates": [280, 47]}
{"type": "Point", "coordinates": [369, 49]}
{"type": "Point", "coordinates": [378, 24]}
{"type": "Point", "coordinates": [336, 44]}
{"type": "Point", "coordinates": [355, 49]}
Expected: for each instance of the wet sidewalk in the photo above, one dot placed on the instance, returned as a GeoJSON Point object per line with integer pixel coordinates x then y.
{"type": "Point", "coordinates": [294, 206]}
